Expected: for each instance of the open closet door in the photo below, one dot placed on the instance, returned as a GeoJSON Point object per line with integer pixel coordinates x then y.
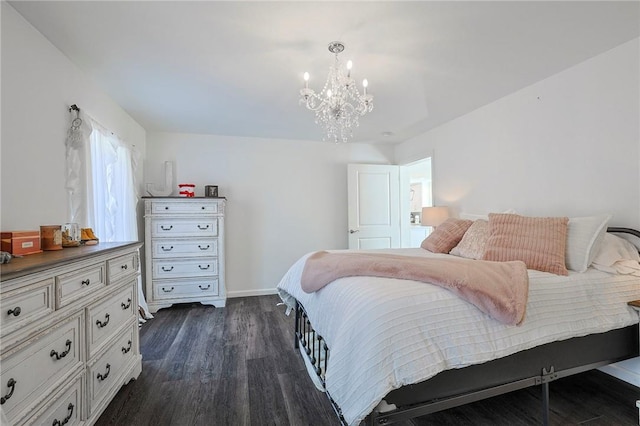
{"type": "Point", "coordinates": [374, 206]}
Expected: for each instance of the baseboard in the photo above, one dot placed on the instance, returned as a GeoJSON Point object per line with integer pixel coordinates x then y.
{"type": "Point", "coordinates": [628, 371]}
{"type": "Point", "coordinates": [247, 293]}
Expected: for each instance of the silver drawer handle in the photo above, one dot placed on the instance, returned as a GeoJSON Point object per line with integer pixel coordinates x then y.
{"type": "Point", "coordinates": [205, 288]}
{"type": "Point", "coordinates": [205, 268]}
{"type": "Point", "coordinates": [166, 249]}
{"type": "Point", "coordinates": [166, 229]}
{"type": "Point", "coordinates": [167, 291]}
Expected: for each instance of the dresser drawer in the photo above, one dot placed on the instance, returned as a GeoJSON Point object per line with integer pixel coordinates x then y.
{"type": "Point", "coordinates": [65, 410]}
{"type": "Point", "coordinates": [184, 207]}
{"type": "Point", "coordinates": [175, 268]}
{"type": "Point", "coordinates": [25, 305]}
{"type": "Point", "coordinates": [77, 284]}
{"type": "Point", "coordinates": [106, 372]}
{"type": "Point", "coordinates": [32, 372]}
{"type": "Point", "coordinates": [106, 317]}
{"type": "Point", "coordinates": [163, 248]}
{"type": "Point", "coordinates": [204, 227]}
{"type": "Point", "coordinates": [170, 289]}
{"type": "Point", "coordinates": [122, 266]}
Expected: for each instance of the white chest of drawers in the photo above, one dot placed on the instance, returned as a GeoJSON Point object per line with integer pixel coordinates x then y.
{"type": "Point", "coordinates": [184, 240]}
{"type": "Point", "coordinates": [68, 324]}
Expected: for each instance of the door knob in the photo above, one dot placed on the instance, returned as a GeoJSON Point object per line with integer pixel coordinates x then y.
{"type": "Point", "coordinates": [353, 231]}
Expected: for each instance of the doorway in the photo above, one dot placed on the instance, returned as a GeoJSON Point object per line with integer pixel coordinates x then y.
{"type": "Point", "coordinates": [416, 192]}
{"type": "Point", "coordinates": [385, 204]}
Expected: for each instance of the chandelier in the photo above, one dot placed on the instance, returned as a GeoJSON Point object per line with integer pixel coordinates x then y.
{"type": "Point", "coordinates": [339, 105]}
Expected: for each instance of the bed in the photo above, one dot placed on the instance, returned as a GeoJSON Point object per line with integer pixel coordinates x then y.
{"type": "Point", "coordinates": [385, 349]}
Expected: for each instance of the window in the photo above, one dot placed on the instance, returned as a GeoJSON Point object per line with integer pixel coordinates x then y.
{"type": "Point", "coordinates": [111, 191]}
{"type": "Point", "coordinates": [101, 184]}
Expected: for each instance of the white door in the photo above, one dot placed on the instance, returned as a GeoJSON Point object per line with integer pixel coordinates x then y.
{"type": "Point", "coordinates": [374, 206]}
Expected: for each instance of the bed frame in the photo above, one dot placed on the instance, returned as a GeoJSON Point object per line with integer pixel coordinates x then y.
{"type": "Point", "coordinates": [540, 365]}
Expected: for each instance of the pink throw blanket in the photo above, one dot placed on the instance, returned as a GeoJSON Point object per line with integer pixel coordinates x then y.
{"type": "Point", "coordinates": [499, 289]}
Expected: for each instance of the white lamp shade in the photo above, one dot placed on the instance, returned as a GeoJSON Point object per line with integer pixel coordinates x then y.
{"type": "Point", "coordinates": [434, 216]}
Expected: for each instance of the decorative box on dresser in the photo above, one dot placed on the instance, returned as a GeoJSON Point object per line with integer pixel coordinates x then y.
{"type": "Point", "coordinates": [184, 240]}
{"type": "Point", "coordinates": [69, 333]}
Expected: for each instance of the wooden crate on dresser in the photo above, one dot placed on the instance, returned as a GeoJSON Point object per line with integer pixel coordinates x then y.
{"type": "Point", "coordinates": [184, 240]}
{"type": "Point", "coordinates": [69, 332]}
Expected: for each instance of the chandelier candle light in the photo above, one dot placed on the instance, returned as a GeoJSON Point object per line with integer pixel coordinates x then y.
{"type": "Point", "coordinates": [339, 104]}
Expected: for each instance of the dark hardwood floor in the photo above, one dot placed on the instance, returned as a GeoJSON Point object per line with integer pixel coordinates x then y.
{"type": "Point", "coordinates": [237, 366]}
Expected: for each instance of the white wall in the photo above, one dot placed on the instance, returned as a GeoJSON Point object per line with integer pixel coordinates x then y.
{"type": "Point", "coordinates": [284, 198]}
{"type": "Point", "coordinates": [567, 145]}
{"type": "Point", "coordinates": [39, 83]}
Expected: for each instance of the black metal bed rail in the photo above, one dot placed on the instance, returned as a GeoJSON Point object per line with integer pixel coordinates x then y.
{"type": "Point", "coordinates": [315, 348]}
{"type": "Point", "coordinates": [620, 230]}
{"type": "Point", "coordinates": [313, 344]}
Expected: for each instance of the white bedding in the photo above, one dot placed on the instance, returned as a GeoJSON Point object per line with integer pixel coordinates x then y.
{"type": "Point", "coordinates": [385, 333]}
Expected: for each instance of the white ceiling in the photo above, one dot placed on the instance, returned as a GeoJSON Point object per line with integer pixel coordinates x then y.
{"type": "Point", "coordinates": [235, 68]}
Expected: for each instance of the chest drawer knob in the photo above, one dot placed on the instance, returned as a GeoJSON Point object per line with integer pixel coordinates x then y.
{"type": "Point", "coordinates": [10, 384]}
{"type": "Point", "coordinates": [123, 267]}
{"type": "Point", "coordinates": [166, 249]}
{"type": "Point", "coordinates": [15, 311]}
{"type": "Point", "coordinates": [202, 228]}
{"type": "Point", "coordinates": [167, 269]}
{"type": "Point", "coordinates": [167, 291]}
{"type": "Point", "coordinates": [204, 288]}
{"type": "Point", "coordinates": [127, 349]}
{"type": "Point", "coordinates": [204, 268]}
{"type": "Point", "coordinates": [204, 248]}
{"type": "Point", "coordinates": [102, 377]}
{"type": "Point", "coordinates": [168, 228]}
{"type": "Point", "coordinates": [101, 324]}
{"type": "Point", "coordinates": [125, 307]}
{"type": "Point", "coordinates": [64, 421]}
{"type": "Point", "coordinates": [86, 282]}
{"type": "Point", "coordinates": [57, 356]}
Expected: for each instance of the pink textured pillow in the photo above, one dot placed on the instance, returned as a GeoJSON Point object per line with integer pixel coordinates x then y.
{"type": "Point", "coordinates": [473, 242]}
{"type": "Point", "coordinates": [537, 241]}
{"type": "Point", "coordinates": [446, 236]}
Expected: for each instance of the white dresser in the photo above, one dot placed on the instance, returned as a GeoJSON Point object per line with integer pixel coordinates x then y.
{"type": "Point", "coordinates": [69, 333]}
{"type": "Point", "coordinates": [184, 250]}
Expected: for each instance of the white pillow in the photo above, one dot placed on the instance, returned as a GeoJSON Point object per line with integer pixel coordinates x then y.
{"type": "Point", "coordinates": [473, 216]}
{"type": "Point", "coordinates": [584, 238]}
{"type": "Point", "coordinates": [473, 241]}
{"type": "Point", "coordinates": [617, 256]}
